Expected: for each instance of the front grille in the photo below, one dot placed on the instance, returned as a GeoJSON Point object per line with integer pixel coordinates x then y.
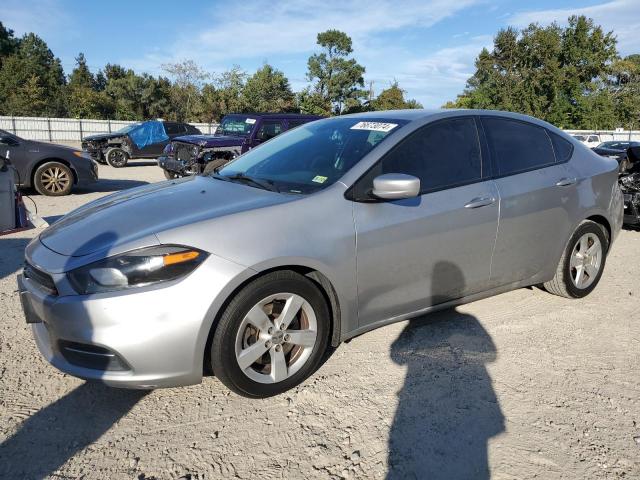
{"type": "Point", "coordinates": [40, 278]}
{"type": "Point", "coordinates": [91, 356]}
{"type": "Point", "coordinates": [185, 152]}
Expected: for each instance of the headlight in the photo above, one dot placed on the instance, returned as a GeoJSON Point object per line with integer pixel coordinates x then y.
{"type": "Point", "coordinates": [136, 268]}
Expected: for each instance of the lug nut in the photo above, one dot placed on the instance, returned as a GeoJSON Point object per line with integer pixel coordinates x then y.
{"type": "Point", "coordinates": [270, 331]}
{"type": "Point", "coordinates": [283, 327]}
{"type": "Point", "coordinates": [268, 344]}
{"type": "Point", "coordinates": [287, 337]}
{"type": "Point", "coordinates": [278, 348]}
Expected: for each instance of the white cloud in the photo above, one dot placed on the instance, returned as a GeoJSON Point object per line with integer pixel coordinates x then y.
{"type": "Point", "coordinates": [621, 16]}
{"type": "Point", "coordinates": [46, 17]}
{"type": "Point", "coordinates": [267, 29]}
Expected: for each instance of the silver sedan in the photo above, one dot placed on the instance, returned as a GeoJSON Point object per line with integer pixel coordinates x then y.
{"type": "Point", "coordinates": [326, 232]}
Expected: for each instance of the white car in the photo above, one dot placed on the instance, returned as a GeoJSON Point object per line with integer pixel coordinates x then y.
{"type": "Point", "coordinates": [590, 141]}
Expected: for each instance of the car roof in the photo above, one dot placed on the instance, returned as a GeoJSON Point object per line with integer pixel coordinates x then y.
{"type": "Point", "coordinates": [273, 115]}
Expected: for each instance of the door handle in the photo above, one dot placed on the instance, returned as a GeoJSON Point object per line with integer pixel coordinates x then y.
{"type": "Point", "coordinates": [566, 182]}
{"type": "Point", "coordinates": [480, 202]}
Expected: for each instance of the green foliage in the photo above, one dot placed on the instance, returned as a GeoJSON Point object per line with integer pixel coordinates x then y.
{"type": "Point", "coordinates": [571, 77]}
{"type": "Point", "coordinates": [336, 76]}
{"type": "Point", "coordinates": [268, 90]}
{"type": "Point", "coordinates": [392, 98]}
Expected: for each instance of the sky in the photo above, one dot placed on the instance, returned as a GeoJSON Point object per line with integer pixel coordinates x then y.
{"type": "Point", "coordinates": [428, 46]}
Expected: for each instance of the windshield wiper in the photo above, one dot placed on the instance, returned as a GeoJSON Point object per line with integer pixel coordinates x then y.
{"type": "Point", "coordinates": [264, 184]}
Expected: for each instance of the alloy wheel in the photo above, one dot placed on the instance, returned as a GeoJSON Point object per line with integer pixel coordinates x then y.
{"type": "Point", "coordinates": [586, 260]}
{"type": "Point", "coordinates": [276, 338]}
{"type": "Point", "coordinates": [55, 179]}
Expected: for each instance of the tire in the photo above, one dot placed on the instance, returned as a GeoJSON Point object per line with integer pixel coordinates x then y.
{"type": "Point", "coordinates": [116, 157]}
{"type": "Point", "coordinates": [236, 337]}
{"type": "Point", "coordinates": [215, 164]}
{"type": "Point", "coordinates": [53, 179]}
{"type": "Point", "coordinates": [170, 175]}
{"type": "Point", "coordinates": [578, 275]}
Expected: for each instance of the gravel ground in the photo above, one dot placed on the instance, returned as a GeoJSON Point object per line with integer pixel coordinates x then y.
{"type": "Point", "coordinates": [521, 385]}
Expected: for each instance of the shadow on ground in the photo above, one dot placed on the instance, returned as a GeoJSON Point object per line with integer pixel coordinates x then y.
{"type": "Point", "coordinates": [447, 408]}
{"type": "Point", "coordinates": [53, 435]}
{"type": "Point", "coordinates": [11, 255]}
{"type": "Point", "coordinates": [109, 185]}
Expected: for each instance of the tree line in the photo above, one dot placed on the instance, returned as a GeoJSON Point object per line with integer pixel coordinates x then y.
{"type": "Point", "coordinates": [572, 77]}
{"type": "Point", "coordinates": [33, 83]}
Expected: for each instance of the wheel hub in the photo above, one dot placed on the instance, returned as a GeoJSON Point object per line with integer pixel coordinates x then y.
{"type": "Point", "coordinates": [277, 337]}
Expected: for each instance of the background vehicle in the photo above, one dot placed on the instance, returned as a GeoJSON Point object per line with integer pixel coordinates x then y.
{"type": "Point", "coordinates": [588, 140]}
{"type": "Point", "coordinates": [51, 169]}
{"type": "Point", "coordinates": [615, 149]}
{"type": "Point", "coordinates": [265, 250]}
{"type": "Point", "coordinates": [630, 185]}
{"type": "Point", "coordinates": [194, 154]}
{"type": "Point", "coordinates": [138, 140]}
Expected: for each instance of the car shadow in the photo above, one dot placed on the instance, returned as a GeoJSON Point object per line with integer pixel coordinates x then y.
{"type": "Point", "coordinates": [11, 255]}
{"type": "Point", "coordinates": [109, 185]}
{"type": "Point", "coordinates": [47, 439]}
{"type": "Point", "coordinates": [54, 434]}
{"type": "Point", "coordinates": [142, 163]}
{"type": "Point", "coordinates": [447, 408]}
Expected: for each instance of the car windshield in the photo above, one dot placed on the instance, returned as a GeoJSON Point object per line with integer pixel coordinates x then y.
{"type": "Point", "coordinates": [312, 156]}
{"type": "Point", "coordinates": [236, 125]}
{"type": "Point", "coordinates": [128, 128]}
{"type": "Point", "coordinates": [580, 138]}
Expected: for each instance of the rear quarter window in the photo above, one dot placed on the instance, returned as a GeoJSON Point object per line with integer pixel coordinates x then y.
{"type": "Point", "coordinates": [517, 146]}
{"type": "Point", "coordinates": [562, 148]}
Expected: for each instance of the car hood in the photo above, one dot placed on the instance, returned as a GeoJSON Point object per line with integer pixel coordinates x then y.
{"type": "Point", "coordinates": [608, 151]}
{"type": "Point", "coordinates": [34, 146]}
{"type": "Point", "coordinates": [102, 136]}
{"type": "Point", "coordinates": [208, 141]}
{"type": "Point", "coordinates": [137, 213]}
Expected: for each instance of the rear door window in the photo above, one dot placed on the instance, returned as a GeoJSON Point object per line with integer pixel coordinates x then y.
{"type": "Point", "coordinates": [562, 147]}
{"type": "Point", "coordinates": [175, 128]}
{"type": "Point", "coordinates": [442, 155]}
{"type": "Point", "coordinates": [517, 146]}
{"type": "Point", "coordinates": [269, 129]}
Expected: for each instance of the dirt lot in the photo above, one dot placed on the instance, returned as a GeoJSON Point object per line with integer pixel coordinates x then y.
{"type": "Point", "coordinates": [521, 385]}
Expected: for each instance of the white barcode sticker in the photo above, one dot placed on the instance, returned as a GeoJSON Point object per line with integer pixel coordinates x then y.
{"type": "Point", "coordinates": [375, 126]}
{"type": "Point", "coordinates": [250, 121]}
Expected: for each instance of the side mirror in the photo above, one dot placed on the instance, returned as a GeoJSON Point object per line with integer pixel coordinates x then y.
{"type": "Point", "coordinates": [6, 140]}
{"type": "Point", "coordinates": [394, 186]}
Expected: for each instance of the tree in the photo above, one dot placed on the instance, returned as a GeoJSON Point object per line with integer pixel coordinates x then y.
{"type": "Point", "coordinates": [558, 74]}
{"type": "Point", "coordinates": [392, 98]}
{"type": "Point", "coordinates": [268, 90]}
{"type": "Point", "coordinates": [188, 80]}
{"type": "Point", "coordinates": [8, 43]}
{"type": "Point", "coordinates": [336, 76]}
{"type": "Point", "coordinates": [32, 63]}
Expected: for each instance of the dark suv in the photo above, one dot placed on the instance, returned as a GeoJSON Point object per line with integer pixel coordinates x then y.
{"type": "Point", "coordinates": [138, 140]}
{"type": "Point", "coordinates": [237, 133]}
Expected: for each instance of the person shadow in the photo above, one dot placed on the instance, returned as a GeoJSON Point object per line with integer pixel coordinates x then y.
{"type": "Point", "coordinates": [47, 439]}
{"type": "Point", "coordinates": [447, 408]}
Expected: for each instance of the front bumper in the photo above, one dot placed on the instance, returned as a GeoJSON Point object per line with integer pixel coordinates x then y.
{"type": "Point", "coordinates": [86, 172]}
{"type": "Point", "coordinates": [631, 209]}
{"type": "Point", "coordinates": [142, 338]}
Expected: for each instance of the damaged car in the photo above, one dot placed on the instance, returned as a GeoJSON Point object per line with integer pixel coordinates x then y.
{"type": "Point", "coordinates": [236, 134]}
{"type": "Point", "coordinates": [138, 140]}
{"type": "Point", "coordinates": [629, 179]}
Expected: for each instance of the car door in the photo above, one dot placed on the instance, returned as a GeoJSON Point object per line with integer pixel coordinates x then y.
{"type": "Point", "coordinates": [448, 231]}
{"type": "Point", "coordinates": [13, 149]}
{"type": "Point", "coordinates": [536, 193]}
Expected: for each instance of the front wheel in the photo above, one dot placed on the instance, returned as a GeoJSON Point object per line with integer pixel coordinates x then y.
{"type": "Point", "coordinates": [271, 336]}
{"type": "Point", "coordinates": [169, 175]}
{"type": "Point", "coordinates": [582, 263]}
{"type": "Point", "coordinates": [53, 179]}
{"type": "Point", "coordinates": [116, 157]}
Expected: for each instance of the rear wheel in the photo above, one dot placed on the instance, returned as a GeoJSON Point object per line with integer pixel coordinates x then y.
{"type": "Point", "coordinates": [116, 157]}
{"type": "Point", "coordinates": [272, 335]}
{"type": "Point", "coordinates": [582, 262]}
{"type": "Point", "coordinates": [53, 179]}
